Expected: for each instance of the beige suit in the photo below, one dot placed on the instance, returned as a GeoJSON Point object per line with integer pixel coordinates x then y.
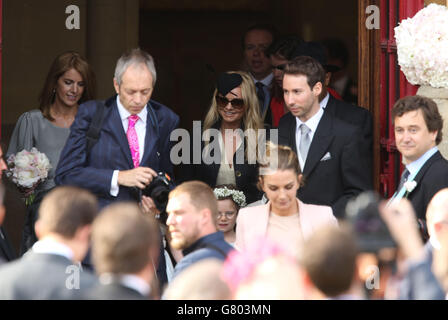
{"type": "Point", "coordinates": [252, 222]}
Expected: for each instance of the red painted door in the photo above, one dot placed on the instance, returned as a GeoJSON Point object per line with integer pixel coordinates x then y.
{"type": "Point", "coordinates": [393, 86]}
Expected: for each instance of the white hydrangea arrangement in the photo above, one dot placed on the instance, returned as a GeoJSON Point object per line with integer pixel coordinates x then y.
{"type": "Point", "coordinates": [237, 196]}
{"type": "Point", "coordinates": [27, 169]}
{"type": "Point", "coordinates": [422, 47]}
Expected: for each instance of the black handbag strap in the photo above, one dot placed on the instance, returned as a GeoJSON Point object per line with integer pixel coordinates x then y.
{"type": "Point", "coordinates": [93, 133]}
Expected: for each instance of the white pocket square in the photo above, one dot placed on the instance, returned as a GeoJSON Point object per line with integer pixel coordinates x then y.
{"type": "Point", "coordinates": [326, 157]}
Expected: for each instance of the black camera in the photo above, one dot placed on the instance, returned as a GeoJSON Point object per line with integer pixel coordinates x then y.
{"type": "Point", "coordinates": [371, 232]}
{"type": "Point", "coordinates": [158, 191]}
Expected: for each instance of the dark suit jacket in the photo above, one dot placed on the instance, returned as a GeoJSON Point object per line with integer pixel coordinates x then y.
{"type": "Point", "coordinates": [357, 116]}
{"type": "Point", "coordinates": [431, 178]}
{"type": "Point", "coordinates": [334, 181]}
{"type": "Point", "coordinates": [111, 152]}
{"type": "Point", "coordinates": [38, 276]}
{"type": "Point", "coordinates": [6, 251]}
{"type": "Point", "coordinates": [113, 291]}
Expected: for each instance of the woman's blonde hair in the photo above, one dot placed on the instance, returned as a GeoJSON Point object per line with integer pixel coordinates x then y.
{"type": "Point", "coordinates": [251, 118]}
{"type": "Point", "coordinates": [279, 158]}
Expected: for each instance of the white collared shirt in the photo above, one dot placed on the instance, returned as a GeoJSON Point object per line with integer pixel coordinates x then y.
{"type": "Point", "coordinates": [435, 243]}
{"type": "Point", "coordinates": [416, 165]}
{"type": "Point", "coordinates": [140, 128]}
{"type": "Point", "coordinates": [312, 124]}
{"type": "Point", "coordinates": [49, 246]}
{"type": "Point", "coordinates": [267, 81]}
{"type": "Point", "coordinates": [127, 280]}
{"type": "Point", "coordinates": [324, 102]}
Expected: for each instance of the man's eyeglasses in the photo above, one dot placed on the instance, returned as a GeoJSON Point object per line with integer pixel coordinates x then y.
{"type": "Point", "coordinates": [228, 214]}
{"type": "Point", "coordinates": [280, 67]}
{"type": "Point", "coordinates": [222, 102]}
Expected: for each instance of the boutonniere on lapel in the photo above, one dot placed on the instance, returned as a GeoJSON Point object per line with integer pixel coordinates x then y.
{"type": "Point", "coordinates": [409, 186]}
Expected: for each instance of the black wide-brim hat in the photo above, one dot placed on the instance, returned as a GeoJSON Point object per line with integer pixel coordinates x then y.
{"type": "Point", "coordinates": [317, 51]}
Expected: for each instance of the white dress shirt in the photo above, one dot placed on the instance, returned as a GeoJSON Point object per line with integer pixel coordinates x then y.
{"type": "Point", "coordinates": [413, 168]}
{"type": "Point", "coordinates": [324, 102]}
{"type": "Point", "coordinates": [128, 280]}
{"type": "Point", "coordinates": [312, 124]}
{"type": "Point", "coordinates": [140, 128]}
{"type": "Point", "coordinates": [49, 246]}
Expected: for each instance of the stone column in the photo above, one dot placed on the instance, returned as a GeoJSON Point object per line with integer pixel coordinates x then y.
{"type": "Point", "coordinates": [112, 28]}
{"type": "Point", "coordinates": [440, 96]}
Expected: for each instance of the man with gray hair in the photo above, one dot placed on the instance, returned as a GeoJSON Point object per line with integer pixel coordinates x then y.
{"type": "Point", "coordinates": [133, 141]}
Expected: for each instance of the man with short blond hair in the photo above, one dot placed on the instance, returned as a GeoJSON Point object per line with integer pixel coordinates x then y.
{"type": "Point", "coordinates": [192, 213]}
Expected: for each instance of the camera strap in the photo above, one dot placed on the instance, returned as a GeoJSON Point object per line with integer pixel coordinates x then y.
{"type": "Point", "coordinates": [93, 133]}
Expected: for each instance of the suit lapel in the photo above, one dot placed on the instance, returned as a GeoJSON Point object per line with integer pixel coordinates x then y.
{"type": "Point", "coordinates": [436, 156]}
{"type": "Point", "coordinates": [115, 127]}
{"type": "Point", "coordinates": [331, 106]}
{"type": "Point", "coordinates": [151, 136]}
{"type": "Point", "coordinates": [292, 132]}
{"type": "Point", "coordinates": [321, 141]}
{"type": "Point", "coordinates": [260, 228]}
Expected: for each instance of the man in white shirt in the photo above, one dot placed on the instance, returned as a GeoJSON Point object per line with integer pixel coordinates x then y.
{"type": "Point", "coordinates": [418, 130]}
{"type": "Point", "coordinates": [134, 138]}
{"type": "Point", "coordinates": [328, 148]}
{"type": "Point", "coordinates": [256, 40]}
{"type": "Point", "coordinates": [125, 248]}
{"type": "Point", "coordinates": [51, 269]}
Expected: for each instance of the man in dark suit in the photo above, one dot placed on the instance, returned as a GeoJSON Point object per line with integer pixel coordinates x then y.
{"type": "Point", "coordinates": [256, 40]}
{"type": "Point", "coordinates": [125, 245]}
{"type": "Point", "coordinates": [418, 131]}
{"type": "Point", "coordinates": [328, 148]}
{"type": "Point", "coordinates": [134, 141]}
{"type": "Point", "coordinates": [347, 112]}
{"type": "Point", "coordinates": [50, 270]}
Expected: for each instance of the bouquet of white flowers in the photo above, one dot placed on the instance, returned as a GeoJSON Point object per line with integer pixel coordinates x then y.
{"type": "Point", "coordinates": [422, 47]}
{"type": "Point", "coordinates": [27, 169]}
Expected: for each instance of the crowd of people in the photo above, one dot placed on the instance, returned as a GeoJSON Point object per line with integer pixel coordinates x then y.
{"type": "Point", "coordinates": [265, 212]}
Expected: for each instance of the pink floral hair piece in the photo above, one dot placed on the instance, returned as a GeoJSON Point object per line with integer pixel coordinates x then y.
{"type": "Point", "coordinates": [240, 265]}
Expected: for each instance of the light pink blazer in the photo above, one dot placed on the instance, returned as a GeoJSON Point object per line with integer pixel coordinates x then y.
{"type": "Point", "coordinates": [252, 222]}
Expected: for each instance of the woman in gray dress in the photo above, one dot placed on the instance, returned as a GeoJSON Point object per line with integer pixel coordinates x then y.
{"type": "Point", "coordinates": [70, 82]}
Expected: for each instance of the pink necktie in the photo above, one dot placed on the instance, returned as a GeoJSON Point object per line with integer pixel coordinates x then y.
{"type": "Point", "coordinates": [133, 139]}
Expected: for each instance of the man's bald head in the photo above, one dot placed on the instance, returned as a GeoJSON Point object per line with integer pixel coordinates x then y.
{"type": "Point", "coordinates": [437, 212]}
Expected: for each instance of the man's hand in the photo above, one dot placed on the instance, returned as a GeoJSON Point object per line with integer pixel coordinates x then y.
{"type": "Point", "coordinates": [148, 206]}
{"type": "Point", "coordinates": [139, 177]}
{"type": "Point", "coordinates": [401, 221]}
